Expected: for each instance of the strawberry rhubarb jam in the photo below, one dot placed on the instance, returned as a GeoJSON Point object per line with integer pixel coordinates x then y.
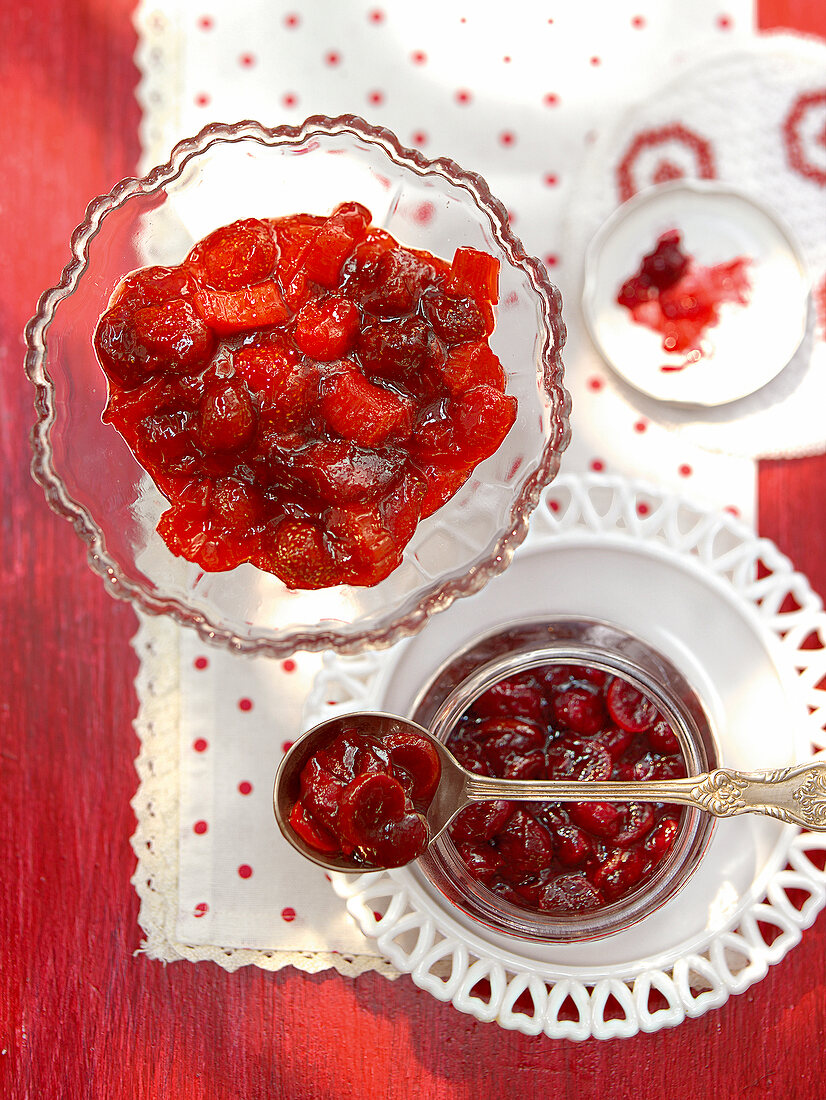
{"type": "Point", "coordinates": [565, 722]}
{"type": "Point", "coordinates": [364, 797]}
{"type": "Point", "coordinates": [304, 390]}
{"type": "Point", "coordinates": [679, 298]}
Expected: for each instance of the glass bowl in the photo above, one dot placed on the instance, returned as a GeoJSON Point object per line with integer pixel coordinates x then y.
{"type": "Point", "coordinates": [598, 645]}
{"type": "Point", "coordinates": [232, 171]}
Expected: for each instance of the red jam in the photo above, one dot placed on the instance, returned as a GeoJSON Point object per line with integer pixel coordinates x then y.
{"type": "Point", "coordinates": [304, 390]}
{"type": "Point", "coordinates": [565, 722]}
{"type": "Point", "coordinates": [679, 298]}
{"type": "Point", "coordinates": [365, 798]}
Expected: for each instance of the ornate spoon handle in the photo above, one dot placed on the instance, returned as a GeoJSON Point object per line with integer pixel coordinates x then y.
{"type": "Point", "coordinates": [796, 795]}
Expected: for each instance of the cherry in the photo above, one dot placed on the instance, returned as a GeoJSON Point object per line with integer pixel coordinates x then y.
{"type": "Point", "coordinates": [480, 821]}
{"type": "Point", "coordinates": [571, 893]}
{"type": "Point", "coordinates": [524, 844]}
{"type": "Point", "coordinates": [579, 708]}
{"type": "Point", "coordinates": [629, 708]}
{"type": "Point", "coordinates": [516, 695]}
{"type": "Point", "coordinates": [419, 759]}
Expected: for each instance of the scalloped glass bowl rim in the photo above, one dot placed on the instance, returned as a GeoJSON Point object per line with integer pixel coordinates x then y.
{"type": "Point", "coordinates": [440, 593]}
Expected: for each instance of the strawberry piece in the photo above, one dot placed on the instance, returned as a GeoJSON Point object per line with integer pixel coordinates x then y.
{"type": "Point", "coordinates": [324, 255]}
{"type": "Point", "coordinates": [230, 311]}
{"type": "Point", "coordinates": [396, 348]}
{"type": "Point", "coordinates": [293, 233]}
{"type": "Point", "coordinates": [228, 418]}
{"type": "Point", "coordinates": [326, 329]}
{"type": "Point", "coordinates": [149, 286]}
{"type": "Point", "coordinates": [187, 532]}
{"type": "Point", "coordinates": [236, 505]}
{"type": "Point", "coordinates": [472, 364]}
{"type": "Point", "coordinates": [132, 344]}
{"type": "Point", "coordinates": [456, 320]}
{"type": "Point", "coordinates": [312, 832]}
{"type": "Point", "coordinates": [443, 482]}
{"type": "Point", "coordinates": [362, 544]}
{"type": "Point", "coordinates": [638, 819]}
{"type": "Point", "coordinates": [483, 417]}
{"type": "Point", "coordinates": [401, 509]}
{"type": "Point", "coordinates": [361, 411]}
{"type": "Point", "coordinates": [419, 759]}
{"type": "Point", "coordinates": [473, 274]}
{"type": "Point", "coordinates": [235, 255]}
{"type": "Point", "coordinates": [339, 472]}
{"type": "Point", "coordinates": [571, 845]}
{"type": "Point", "coordinates": [297, 553]}
{"type": "Point", "coordinates": [173, 336]}
{"type": "Point", "coordinates": [286, 389]}
{"type": "Point", "coordinates": [661, 838]}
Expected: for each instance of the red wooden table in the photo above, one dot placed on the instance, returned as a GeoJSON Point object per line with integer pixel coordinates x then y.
{"type": "Point", "coordinates": [81, 1015]}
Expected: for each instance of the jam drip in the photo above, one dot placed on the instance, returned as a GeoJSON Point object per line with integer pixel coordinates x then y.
{"type": "Point", "coordinates": [680, 299]}
{"type": "Point", "coordinates": [565, 722]}
{"type": "Point", "coordinates": [304, 390]}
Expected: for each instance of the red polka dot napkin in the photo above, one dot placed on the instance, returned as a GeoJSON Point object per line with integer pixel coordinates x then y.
{"type": "Point", "coordinates": [519, 94]}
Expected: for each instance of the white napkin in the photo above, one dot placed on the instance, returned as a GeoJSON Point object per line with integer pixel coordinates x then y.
{"type": "Point", "coordinates": [517, 97]}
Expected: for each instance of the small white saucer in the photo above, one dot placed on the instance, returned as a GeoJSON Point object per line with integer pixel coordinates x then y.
{"type": "Point", "coordinates": [751, 344]}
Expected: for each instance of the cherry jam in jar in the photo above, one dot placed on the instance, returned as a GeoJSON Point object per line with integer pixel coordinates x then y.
{"type": "Point", "coordinates": [568, 699]}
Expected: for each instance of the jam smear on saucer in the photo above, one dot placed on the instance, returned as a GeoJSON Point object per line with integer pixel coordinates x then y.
{"type": "Point", "coordinates": [304, 390]}
{"type": "Point", "coordinates": [680, 299]}
{"type": "Point", "coordinates": [565, 722]}
{"type": "Point", "coordinates": [365, 798]}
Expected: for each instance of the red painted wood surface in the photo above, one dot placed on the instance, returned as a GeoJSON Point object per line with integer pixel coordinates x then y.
{"type": "Point", "coordinates": [80, 1014]}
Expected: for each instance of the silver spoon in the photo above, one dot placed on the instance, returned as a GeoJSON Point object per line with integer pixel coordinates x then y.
{"type": "Point", "coordinates": [796, 795]}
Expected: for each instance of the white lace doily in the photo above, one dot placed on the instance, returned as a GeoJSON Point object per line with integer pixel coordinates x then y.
{"type": "Point", "coordinates": [753, 117]}
{"type": "Point", "coordinates": [703, 574]}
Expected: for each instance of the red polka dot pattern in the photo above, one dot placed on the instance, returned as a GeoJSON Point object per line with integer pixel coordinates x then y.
{"type": "Point", "coordinates": [288, 913]}
{"type": "Point", "coordinates": [200, 827]}
{"type": "Point", "coordinates": [245, 787]}
{"type": "Point", "coordinates": [245, 871]}
{"type": "Point", "coordinates": [245, 704]}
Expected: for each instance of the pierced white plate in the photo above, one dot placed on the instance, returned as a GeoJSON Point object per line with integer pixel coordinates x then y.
{"type": "Point", "coordinates": [751, 344]}
{"type": "Point", "coordinates": [729, 610]}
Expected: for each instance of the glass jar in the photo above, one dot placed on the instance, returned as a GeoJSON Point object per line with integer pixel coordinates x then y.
{"type": "Point", "coordinates": [468, 674]}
